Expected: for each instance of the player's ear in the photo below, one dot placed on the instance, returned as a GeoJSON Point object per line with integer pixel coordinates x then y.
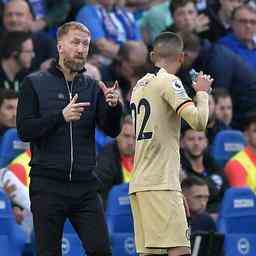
{"type": "Point", "coordinates": [180, 58]}
{"type": "Point", "coordinates": [153, 57]}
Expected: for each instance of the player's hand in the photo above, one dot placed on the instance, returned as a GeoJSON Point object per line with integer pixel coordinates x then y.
{"type": "Point", "coordinates": [73, 111]}
{"type": "Point", "coordinates": [203, 83]}
{"type": "Point", "coordinates": [111, 94]}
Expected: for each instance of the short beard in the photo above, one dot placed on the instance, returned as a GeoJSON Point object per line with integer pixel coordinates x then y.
{"type": "Point", "coordinates": [73, 66]}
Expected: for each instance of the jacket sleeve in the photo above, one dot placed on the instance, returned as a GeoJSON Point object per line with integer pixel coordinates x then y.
{"type": "Point", "coordinates": [108, 118]}
{"type": "Point", "coordinates": [30, 124]}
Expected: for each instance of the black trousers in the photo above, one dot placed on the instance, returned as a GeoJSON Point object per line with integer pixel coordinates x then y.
{"type": "Point", "coordinates": [52, 202]}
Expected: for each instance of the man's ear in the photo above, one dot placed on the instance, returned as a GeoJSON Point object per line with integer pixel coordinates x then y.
{"type": "Point", "coordinates": [59, 47]}
{"type": "Point", "coordinates": [180, 57]}
{"type": "Point", "coordinates": [152, 57]}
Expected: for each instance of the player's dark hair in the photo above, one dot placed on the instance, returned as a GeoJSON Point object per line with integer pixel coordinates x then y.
{"type": "Point", "coordinates": [7, 94]}
{"type": "Point", "coordinates": [168, 43]}
{"type": "Point", "coordinates": [11, 42]}
{"type": "Point", "coordinates": [191, 181]}
{"type": "Point", "coordinates": [175, 4]}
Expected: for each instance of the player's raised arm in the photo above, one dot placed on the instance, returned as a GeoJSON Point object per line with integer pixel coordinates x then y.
{"type": "Point", "coordinates": [197, 116]}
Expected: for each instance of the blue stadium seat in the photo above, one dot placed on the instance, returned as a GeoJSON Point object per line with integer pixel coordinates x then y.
{"type": "Point", "coordinates": [240, 245]}
{"type": "Point", "coordinates": [11, 234]}
{"type": "Point", "coordinates": [71, 244]}
{"type": "Point", "coordinates": [101, 139]}
{"type": "Point", "coordinates": [120, 223]}
{"type": "Point", "coordinates": [225, 144]}
{"type": "Point", "coordinates": [237, 220]}
{"type": "Point", "coordinates": [11, 146]}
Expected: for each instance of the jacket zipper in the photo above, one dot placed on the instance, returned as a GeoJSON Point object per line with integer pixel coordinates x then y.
{"type": "Point", "coordinates": [71, 133]}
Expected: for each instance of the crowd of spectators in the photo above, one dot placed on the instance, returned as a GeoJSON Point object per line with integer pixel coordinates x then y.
{"type": "Point", "coordinates": [219, 39]}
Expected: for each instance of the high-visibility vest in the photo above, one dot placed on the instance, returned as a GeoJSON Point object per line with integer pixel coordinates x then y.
{"type": "Point", "coordinates": [20, 166]}
{"type": "Point", "coordinates": [245, 161]}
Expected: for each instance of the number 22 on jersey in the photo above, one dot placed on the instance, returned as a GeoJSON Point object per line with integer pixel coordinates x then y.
{"type": "Point", "coordinates": [137, 111]}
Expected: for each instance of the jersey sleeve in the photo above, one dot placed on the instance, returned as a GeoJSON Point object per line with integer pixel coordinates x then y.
{"type": "Point", "coordinates": [175, 94]}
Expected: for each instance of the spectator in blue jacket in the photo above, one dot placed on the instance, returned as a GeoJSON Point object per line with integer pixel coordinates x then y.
{"type": "Point", "coordinates": [228, 70]}
{"type": "Point", "coordinates": [242, 40]}
{"type": "Point", "coordinates": [110, 25]}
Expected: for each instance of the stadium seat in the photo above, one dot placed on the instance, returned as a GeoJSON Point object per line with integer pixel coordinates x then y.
{"type": "Point", "coordinates": [237, 220]}
{"type": "Point", "coordinates": [71, 244]}
{"type": "Point", "coordinates": [101, 139]}
{"type": "Point", "coordinates": [12, 237]}
{"type": "Point", "coordinates": [11, 146]}
{"type": "Point", "coordinates": [120, 223]}
{"type": "Point", "coordinates": [225, 144]}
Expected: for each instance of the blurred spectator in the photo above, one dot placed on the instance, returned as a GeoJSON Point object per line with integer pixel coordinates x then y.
{"type": "Point", "coordinates": [241, 169]}
{"type": "Point", "coordinates": [214, 124]}
{"type": "Point", "coordinates": [16, 54]}
{"type": "Point", "coordinates": [127, 67]}
{"type": "Point", "coordinates": [242, 40]}
{"type": "Point", "coordinates": [115, 162]}
{"type": "Point", "coordinates": [18, 17]}
{"type": "Point", "coordinates": [8, 109]}
{"type": "Point", "coordinates": [136, 5]}
{"type": "Point", "coordinates": [46, 13]}
{"type": "Point", "coordinates": [195, 161]}
{"type": "Point", "coordinates": [196, 192]}
{"type": "Point", "coordinates": [110, 25]}
{"type": "Point", "coordinates": [228, 70]}
{"type": "Point", "coordinates": [220, 13]}
{"type": "Point", "coordinates": [92, 71]}
{"type": "Point", "coordinates": [155, 20]}
{"type": "Point", "coordinates": [223, 106]}
{"type": "Point", "coordinates": [186, 18]}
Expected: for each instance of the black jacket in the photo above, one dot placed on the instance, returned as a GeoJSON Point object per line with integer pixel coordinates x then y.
{"type": "Point", "coordinates": [230, 72]}
{"type": "Point", "coordinates": [213, 176]}
{"type": "Point", "coordinates": [63, 150]}
{"type": "Point", "coordinates": [109, 170]}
